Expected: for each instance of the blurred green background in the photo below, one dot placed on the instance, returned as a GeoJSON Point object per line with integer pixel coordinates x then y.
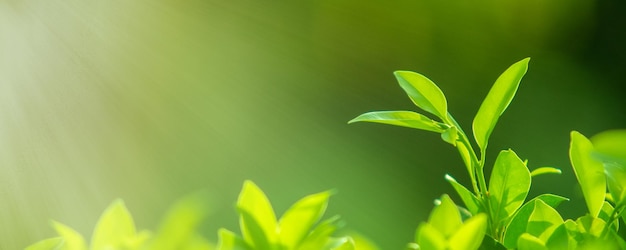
{"type": "Point", "coordinates": [152, 100]}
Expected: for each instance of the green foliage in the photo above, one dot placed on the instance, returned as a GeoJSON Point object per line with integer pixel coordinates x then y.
{"type": "Point", "coordinates": [497, 214]}
{"type": "Point", "coordinates": [508, 220]}
{"type": "Point", "coordinates": [297, 229]}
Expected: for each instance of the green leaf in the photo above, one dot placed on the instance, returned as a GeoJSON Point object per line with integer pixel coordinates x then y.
{"type": "Point", "coordinates": [470, 200]}
{"type": "Point", "coordinates": [318, 238]}
{"type": "Point", "coordinates": [545, 170]}
{"type": "Point", "coordinates": [605, 215]}
{"type": "Point", "coordinates": [518, 224]}
{"type": "Point", "coordinates": [542, 218]}
{"type": "Point", "coordinates": [451, 135]}
{"type": "Point", "coordinates": [72, 240]}
{"type": "Point", "coordinates": [403, 119]}
{"type": "Point", "coordinates": [297, 221]}
{"type": "Point", "coordinates": [508, 186]}
{"type": "Point", "coordinates": [428, 237]}
{"type": "Point", "coordinates": [47, 244]}
{"type": "Point", "coordinates": [423, 92]}
{"type": "Point", "coordinates": [610, 146]}
{"type": "Point", "coordinates": [616, 181]}
{"type": "Point", "coordinates": [590, 226]}
{"type": "Point", "coordinates": [257, 221]}
{"type": "Point", "coordinates": [254, 234]}
{"type": "Point", "coordinates": [497, 100]}
{"type": "Point", "coordinates": [559, 239]}
{"type": "Point", "coordinates": [445, 217]}
{"type": "Point", "coordinates": [470, 235]}
{"type": "Point", "coordinates": [589, 172]}
{"type": "Point", "coordinates": [230, 241]}
{"type": "Point", "coordinates": [181, 222]}
{"type": "Point", "coordinates": [114, 227]}
{"type": "Point", "coordinates": [529, 242]}
{"type": "Point", "coordinates": [343, 243]}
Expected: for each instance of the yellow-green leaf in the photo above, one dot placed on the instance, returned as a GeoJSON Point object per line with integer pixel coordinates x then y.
{"type": "Point", "coordinates": [497, 100]}
{"type": "Point", "coordinates": [47, 244]}
{"type": "Point", "coordinates": [428, 237]}
{"type": "Point", "coordinates": [407, 119]}
{"type": "Point", "coordinates": [470, 234]}
{"type": "Point", "coordinates": [257, 214]}
{"type": "Point", "coordinates": [445, 217]}
{"type": "Point", "coordinates": [230, 241]}
{"type": "Point", "coordinates": [544, 170]}
{"type": "Point", "coordinates": [589, 172]}
{"type": "Point", "coordinates": [508, 186]}
{"type": "Point", "coordinates": [180, 223]}
{"type": "Point", "coordinates": [296, 223]}
{"type": "Point", "coordinates": [470, 200]}
{"type": "Point", "coordinates": [114, 227]}
{"type": "Point", "coordinates": [72, 240]}
{"type": "Point", "coordinates": [423, 92]}
{"type": "Point", "coordinates": [542, 218]}
{"type": "Point", "coordinates": [529, 242]}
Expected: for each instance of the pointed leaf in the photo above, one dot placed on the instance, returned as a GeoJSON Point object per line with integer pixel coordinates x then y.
{"type": "Point", "coordinates": [543, 217]}
{"type": "Point", "coordinates": [589, 172]}
{"type": "Point", "coordinates": [559, 239]}
{"type": "Point", "coordinates": [423, 92]}
{"type": "Point", "coordinates": [297, 221]}
{"type": "Point", "coordinates": [253, 232]}
{"type": "Point", "coordinates": [230, 241]}
{"type": "Point", "coordinates": [545, 170]}
{"type": "Point", "coordinates": [470, 235]}
{"type": "Point", "coordinates": [319, 236]}
{"type": "Point", "coordinates": [401, 118]}
{"type": "Point", "coordinates": [445, 217]}
{"type": "Point", "coordinates": [343, 243]}
{"type": "Point", "coordinates": [529, 242]}
{"type": "Point", "coordinates": [508, 186]}
{"type": "Point", "coordinates": [181, 222]}
{"type": "Point", "coordinates": [428, 237]}
{"type": "Point", "coordinates": [518, 224]}
{"type": "Point", "coordinates": [72, 240]}
{"type": "Point", "coordinates": [605, 215]}
{"type": "Point", "coordinates": [470, 200]}
{"type": "Point", "coordinates": [114, 227]}
{"type": "Point", "coordinates": [47, 244]}
{"type": "Point", "coordinates": [497, 100]}
{"type": "Point", "coordinates": [258, 213]}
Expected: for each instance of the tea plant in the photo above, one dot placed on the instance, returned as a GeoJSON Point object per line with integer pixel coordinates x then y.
{"type": "Point", "coordinates": [497, 213]}
{"type": "Point", "coordinates": [496, 210]}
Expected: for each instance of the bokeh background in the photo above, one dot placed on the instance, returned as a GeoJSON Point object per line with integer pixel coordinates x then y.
{"type": "Point", "coordinates": [152, 100]}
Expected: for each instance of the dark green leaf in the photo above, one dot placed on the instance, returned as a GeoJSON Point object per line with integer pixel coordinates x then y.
{"type": "Point", "coordinates": [423, 92]}
{"type": "Point", "coordinates": [402, 118]}
{"type": "Point", "coordinates": [589, 172]}
{"type": "Point", "coordinates": [497, 100]}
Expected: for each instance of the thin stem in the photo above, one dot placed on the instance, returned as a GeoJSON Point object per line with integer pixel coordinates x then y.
{"type": "Point", "coordinates": [472, 164]}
